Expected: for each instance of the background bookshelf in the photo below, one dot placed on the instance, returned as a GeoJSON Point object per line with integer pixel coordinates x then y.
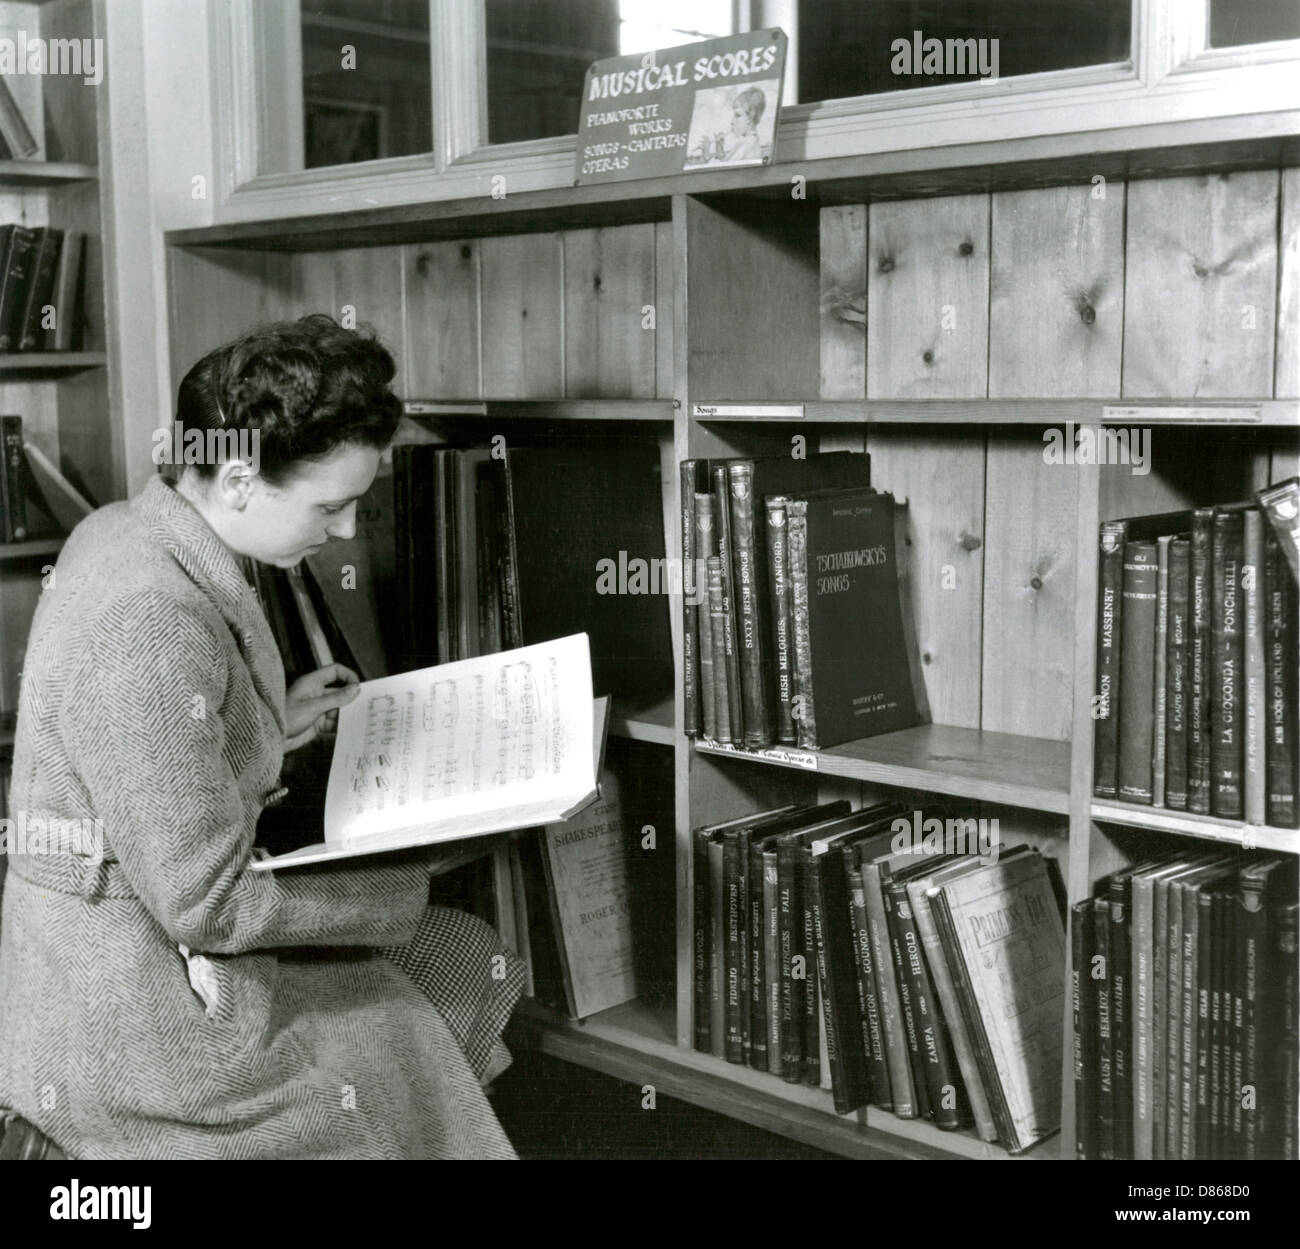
{"type": "Point", "coordinates": [62, 396]}
{"type": "Point", "coordinates": [940, 310]}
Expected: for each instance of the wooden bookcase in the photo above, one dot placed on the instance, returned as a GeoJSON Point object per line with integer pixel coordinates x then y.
{"type": "Point", "coordinates": [62, 396]}
{"type": "Point", "coordinates": [938, 308]}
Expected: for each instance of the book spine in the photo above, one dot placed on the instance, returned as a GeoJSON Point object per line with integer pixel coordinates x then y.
{"type": "Point", "coordinates": [1159, 1012]}
{"type": "Point", "coordinates": [1287, 1068]}
{"type": "Point", "coordinates": [1198, 705]}
{"type": "Point", "coordinates": [803, 709]}
{"type": "Point", "coordinates": [690, 600]}
{"type": "Point", "coordinates": [731, 646]}
{"type": "Point", "coordinates": [772, 961]}
{"type": "Point", "coordinates": [15, 483]}
{"type": "Point", "coordinates": [702, 910]}
{"type": "Point", "coordinates": [811, 1069]}
{"type": "Point", "coordinates": [1280, 718]}
{"type": "Point", "coordinates": [902, 1092]}
{"type": "Point", "coordinates": [69, 295]}
{"type": "Point", "coordinates": [1171, 1054]}
{"type": "Point", "coordinates": [704, 546]}
{"type": "Point", "coordinates": [1176, 678]}
{"type": "Point", "coordinates": [1234, 1042]}
{"type": "Point", "coordinates": [841, 1095]}
{"type": "Point", "coordinates": [908, 1006]}
{"type": "Point", "coordinates": [1085, 1088]}
{"type": "Point", "coordinates": [19, 261]}
{"type": "Point", "coordinates": [1105, 728]}
{"type": "Point", "coordinates": [41, 290]}
{"type": "Point", "coordinates": [865, 969]}
{"type": "Point", "coordinates": [1205, 989]}
{"type": "Point", "coordinates": [1225, 667]}
{"type": "Point", "coordinates": [1253, 670]}
{"type": "Point", "coordinates": [1137, 664]}
{"type": "Point", "coordinates": [1222, 907]}
{"type": "Point", "coordinates": [1121, 1025]}
{"type": "Point", "coordinates": [1160, 692]}
{"type": "Point", "coordinates": [1143, 1027]}
{"type": "Point", "coordinates": [1281, 504]}
{"type": "Point", "coordinates": [717, 952]}
{"type": "Point", "coordinates": [735, 1048]}
{"type": "Point", "coordinates": [778, 580]}
{"type": "Point", "coordinates": [792, 971]}
{"type": "Point", "coordinates": [1191, 1021]}
{"type": "Point", "coordinates": [757, 1050]}
{"type": "Point", "coordinates": [717, 639]}
{"type": "Point", "coordinates": [1101, 978]}
{"type": "Point", "coordinates": [749, 623]}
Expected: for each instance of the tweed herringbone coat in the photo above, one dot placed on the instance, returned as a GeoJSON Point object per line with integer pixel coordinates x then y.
{"type": "Point", "coordinates": [153, 700]}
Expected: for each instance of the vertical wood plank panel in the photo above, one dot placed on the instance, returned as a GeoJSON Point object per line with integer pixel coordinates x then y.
{"type": "Point", "coordinates": [1288, 311]}
{"type": "Point", "coordinates": [941, 475]}
{"type": "Point", "coordinates": [1029, 576]}
{"type": "Point", "coordinates": [1056, 293]}
{"type": "Point", "coordinates": [523, 346]}
{"type": "Point", "coordinates": [609, 276]}
{"type": "Point", "coordinates": [927, 299]}
{"type": "Point", "coordinates": [441, 325]}
{"type": "Point", "coordinates": [844, 302]}
{"type": "Point", "coordinates": [367, 280]}
{"type": "Point", "coordinates": [1200, 286]}
{"type": "Point", "coordinates": [665, 310]}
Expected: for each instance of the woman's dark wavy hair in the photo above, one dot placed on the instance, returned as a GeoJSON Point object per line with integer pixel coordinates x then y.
{"type": "Point", "coordinates": [306, 386]}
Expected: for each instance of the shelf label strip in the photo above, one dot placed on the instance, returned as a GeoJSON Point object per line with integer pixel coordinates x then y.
{"type": "Point", "coordinates": [751, 411]}
{"type": "Point", "coordinates": [1222, 415]}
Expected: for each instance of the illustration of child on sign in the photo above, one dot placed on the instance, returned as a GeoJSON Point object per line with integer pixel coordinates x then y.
{"type": "Point", "coordinates": [727, 126]}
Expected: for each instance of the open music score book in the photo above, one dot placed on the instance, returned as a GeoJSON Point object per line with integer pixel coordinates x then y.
{"type": "Point", "coordinates": [503, 741]}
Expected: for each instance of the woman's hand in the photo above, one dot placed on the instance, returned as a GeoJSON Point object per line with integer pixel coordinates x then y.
{"type": "Point", "coordinates": [311, 704]}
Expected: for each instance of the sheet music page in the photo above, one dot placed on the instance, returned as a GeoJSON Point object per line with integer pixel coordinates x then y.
{"type": "Point", "coordinates": [464, 742]}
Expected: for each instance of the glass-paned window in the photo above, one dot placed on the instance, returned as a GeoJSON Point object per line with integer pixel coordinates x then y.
{"type": "Point", "coordinates": [1237, 22]}
{"type": "Point", "coordinates": [366, 80]}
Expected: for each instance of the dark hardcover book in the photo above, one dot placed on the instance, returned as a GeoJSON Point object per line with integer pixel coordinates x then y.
{"type": "Point", "coordinates": [1285, 1067]}
{"type": "Point", "coordinates": [1198, 941]}
{"type": "Point", "coordinates": [1234, 1051]}
{"type": "Point", "coordinates": [69, 297]}
{"type": "Point", "coordinates": [444, 571]}
{"type": "Point", "coordinates": [1281, 648]}
{"type": "Point", "coordinates": [810, 1070]}
{"type": "Point", "coordinates": [1226, 686]}
{"type": "Point", "coordinates": [1198, 691]}
{"type": "Point", "coordinates": [755, 707]}
{"type": "Point", "coordinates": [1103, 963]}
{"type": "Point", "coordinates": [864, 667]}
{"type": "Point", "coordinates": [1137, 672]}
{"type": "Point", "coordinates": [794, 960]}
{"type": "Point", "coordinates": [40, 291]}
{"type": "Point", "coordinates": [1266, 886]}
{"type": "Point", "coordinates": [587, 536]}
{"type": "Point", "coordinates": [782, 626]}
{"type": "Point", "coordinates": [803, 709]}
{"type": "Point", "coordinates": [1159, 691]}
{"type": "Point", "coordinates": [864, 966]}
{"type": "Point", "coordinates": [1207, 971]}
{"type": "Point", "coordinates": [731, 644]}
{"type": "Point", "coordinates": [1177, 674]}
{"type": "Point", "coordinates": [1254, 675]}
{"type": "Point", "coordinates": [1105, 731]}
{"type": "Point", "coordinates": [15, 281]}
{"type": "Point", "coordinates": [735, 850]}
{"type": "Point", "coordinates": [717, 950]}
{"type": "Point", "coordinates": [689, 476]}
{"type": "Point", "coordinates": [1223, 971]}
{"type": "Point", "coordinates": [714, 578]}
{"type": "Point", "coordinates": [13, 480]}
{"type": "Point", "coordinates": [16, 135]}
{"type": "Point", "coordinates": [944, 1086]}
{"type": "Point", "coordinates": [909, 1004]}
{"type": "Point", "coordinates": [1120, 1017]}
{"type": "Point", "coordinates": [1281, 504]}
{"type": "Point", "coordinates": [702, 936]}
{"type": "Point", "coordinates": [705, 546]}
{"type": "Point", "coordinates": [1086, 1128]}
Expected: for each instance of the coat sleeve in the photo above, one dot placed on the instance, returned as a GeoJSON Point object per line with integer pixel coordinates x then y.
{"type": "Point", "coordinates": [149, 738]}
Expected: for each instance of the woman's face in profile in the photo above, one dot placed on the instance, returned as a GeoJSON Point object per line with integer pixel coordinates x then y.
{"type": "Point", "coordinates": [282, 524]}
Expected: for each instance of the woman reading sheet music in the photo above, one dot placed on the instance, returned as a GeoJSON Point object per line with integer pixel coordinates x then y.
{"type": "Point", "coordinates": [158, 998]}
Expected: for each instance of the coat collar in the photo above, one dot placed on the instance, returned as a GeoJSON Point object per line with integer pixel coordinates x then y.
{"type": "Point", "coordinates": [177, 527]}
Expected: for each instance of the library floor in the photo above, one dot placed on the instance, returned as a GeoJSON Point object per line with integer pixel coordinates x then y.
{"type": "Point", "coordinates": [554, 1110]}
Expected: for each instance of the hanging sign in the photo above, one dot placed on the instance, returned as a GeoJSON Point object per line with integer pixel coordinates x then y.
{"type": "Point", "coordinates": [706, 105]}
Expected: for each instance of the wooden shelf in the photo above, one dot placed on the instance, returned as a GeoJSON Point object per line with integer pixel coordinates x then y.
{"type": "Point", "coordinates": [22, 173]}
{"type": "Point", "coordinates": [51, 363]}
{"type": "Point", "coordinates": [542, 409]}
{"type": "Point", "coordinates": [644, 720]}
{"type": "Point", "coordinates": [1235, 832]}
{"type": "Point", "coordinates": [969, 763]}
{"type": "Point", "coordinates": [1284, 413]}
{"type": "Point", "coordinates": [32, 549]}
{"type": "Point", "coordinates": [634, 1042]}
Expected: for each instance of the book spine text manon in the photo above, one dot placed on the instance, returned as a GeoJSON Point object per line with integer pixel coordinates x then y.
{"type": "Point", "coordinates": [1137, 672]}
{"type": "Point", "coordinates": [1225, 666]}
{"type": "Point", "coordinates": [749, 624]}
{"type": "Point", "coordinates": [1105, 730]}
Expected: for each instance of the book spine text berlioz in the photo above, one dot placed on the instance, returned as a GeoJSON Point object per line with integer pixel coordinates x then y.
{"type": "Point", "coordinates": [705, 547]}
{"type": "Point", "coordinates": [690, 615]}
{"type": "Point", "coordinates": [1226, 663]}
{"type": "Point", "coordinates": [749, 621]}
{"type": "Point", "coordinates": [717, 631]}
{"type": "Point", "coordinates": [803, 708]}
{"type": "Point", "coordinates": [778, 556]}
{"type": "Point", "coordinates": [731, 645]}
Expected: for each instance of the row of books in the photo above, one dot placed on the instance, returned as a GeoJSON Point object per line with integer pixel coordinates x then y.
{"type": "Point", "coordinates": [797, 625]}
{"type": "Point", "coordinates": [917, 963]}
{"type": "Point", "coordinates": [42, 295]}
{"type": "Point", "coordinates": [1197, 643]}
{"type": "Point", "coordinates": [1185, 1006]}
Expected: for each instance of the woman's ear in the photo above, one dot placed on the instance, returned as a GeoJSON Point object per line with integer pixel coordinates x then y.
{"type": "Point", "coordinates": [234, 483]}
